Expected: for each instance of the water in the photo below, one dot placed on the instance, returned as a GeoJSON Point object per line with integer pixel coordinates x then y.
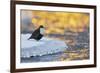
{"type": "Point", "coordinates": [45, 58]}
{"type": "Point", "coordinates": [78, 50]}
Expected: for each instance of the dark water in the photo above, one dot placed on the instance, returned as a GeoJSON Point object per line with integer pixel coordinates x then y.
{"type": "Point", "coordinates": [45, 58]}
{"type": "Point", "coordinates": [79, 54]}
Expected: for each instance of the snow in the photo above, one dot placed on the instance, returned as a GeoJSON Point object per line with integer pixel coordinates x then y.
{"type": "Point", "coordinates": [42, 47]}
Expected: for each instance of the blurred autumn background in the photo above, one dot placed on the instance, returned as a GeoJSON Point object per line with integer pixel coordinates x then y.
{"type": "Point", "coordinates": [71, 27]}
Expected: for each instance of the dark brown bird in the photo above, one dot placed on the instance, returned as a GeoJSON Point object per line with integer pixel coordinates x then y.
{"type": "Point", "coordinates": [37, 34]}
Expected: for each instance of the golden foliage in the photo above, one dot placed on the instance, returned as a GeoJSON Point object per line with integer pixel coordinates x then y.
{"type": "Point", "coordinates": [58, 22]}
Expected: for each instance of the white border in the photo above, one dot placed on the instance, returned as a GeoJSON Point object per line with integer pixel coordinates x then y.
{"type": "Point", "coordinates": [51, 64]}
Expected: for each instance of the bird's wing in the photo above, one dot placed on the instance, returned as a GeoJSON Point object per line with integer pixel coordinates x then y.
{"type": "Point", "coordinates": [35, 34]}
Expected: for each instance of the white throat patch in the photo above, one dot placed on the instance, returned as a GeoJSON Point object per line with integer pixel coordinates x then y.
{"type": "Point", "coordinates": [42, 31]}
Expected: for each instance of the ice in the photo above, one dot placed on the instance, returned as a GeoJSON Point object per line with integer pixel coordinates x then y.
{"type": "Point", "coordinates": [42, 47]}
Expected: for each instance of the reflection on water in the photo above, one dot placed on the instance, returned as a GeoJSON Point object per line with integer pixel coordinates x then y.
{"type": "Point", "coordinates": [68, 55]}
{"type": "Point", "coordinates": [45, 58]}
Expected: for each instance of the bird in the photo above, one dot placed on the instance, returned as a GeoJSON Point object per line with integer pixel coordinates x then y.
{"type": "Point", "coordinates": [37, 34]}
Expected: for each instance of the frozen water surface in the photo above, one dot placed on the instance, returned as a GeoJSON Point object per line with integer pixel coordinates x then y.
{"type": "Point", "coordinates": [45, 46]}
